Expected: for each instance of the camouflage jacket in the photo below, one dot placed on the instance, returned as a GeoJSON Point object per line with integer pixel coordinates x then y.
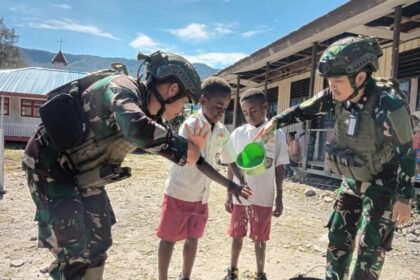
{"type": "Point", "coordinates": [114, 105]}
{"type": "Point", "coordinates": [385, 114]}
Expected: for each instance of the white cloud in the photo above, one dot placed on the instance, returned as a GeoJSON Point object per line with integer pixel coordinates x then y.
{"type": "Point", "coordinates": [24, 9]}
{"type": "Point", "coordinates": [216, 59]}
{"type": "Point", "coordinates": [222, 29]}
{"type": "Point", "coordinates": [147, 45]}
{"type": "Point", "coordinates": [199, 32]}
{"type": "Point", "coordinates": [260, 30]}
{"type": "Point", "coordinates": [70, 25]}
{"type": "Point", "coordinates": [144, 43]}
{"type": "Point", "coordinates": [61, 6]}
{"type": "Point", "coordinates": [193, 31]}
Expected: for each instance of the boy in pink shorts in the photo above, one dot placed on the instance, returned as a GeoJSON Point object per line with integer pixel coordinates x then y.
{"type": "Point", "coordinates": [257, 211]}
{"type": "Point", "coordinates": [184, 208]}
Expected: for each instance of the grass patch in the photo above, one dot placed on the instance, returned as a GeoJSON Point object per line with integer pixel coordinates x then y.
{"type": "Point", "coordinates": [12, 159]}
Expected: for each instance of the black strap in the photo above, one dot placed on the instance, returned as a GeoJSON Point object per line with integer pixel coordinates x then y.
{"type": "Point", "coordinates": [355, 88]}
{"type": "Point", "coordinates": [163, 102]}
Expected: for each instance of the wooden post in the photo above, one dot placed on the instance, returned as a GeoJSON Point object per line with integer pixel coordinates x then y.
{"type": "Point", "coordinates": [396, 42]}
{"type": "Point", "coordinates": [310, 94]}
{"type": "Point", "coordinates": [236, 103]}
{"type": "Point", "coordinates": [313, 70]}
{"type": "Point", "coordinates": [267, 65]}
{"type": "Point", "coordinates": [2, 187]}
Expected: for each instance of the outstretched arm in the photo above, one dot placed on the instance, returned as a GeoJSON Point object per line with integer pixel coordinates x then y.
{"type": "Point", "coordinates": [121, 97]}
{"type": "Point", "coordinates": [232, 187]}
{"type": "Point", "coordinates": [320, 104]}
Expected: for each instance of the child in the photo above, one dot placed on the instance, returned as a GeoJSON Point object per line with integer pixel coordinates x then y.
{"type": "Point", "coordinates": [258, 210]}
{"type": "Point", "coordinates": [184, 207]}
{"type": "Point", "coordinates": [294, 153]}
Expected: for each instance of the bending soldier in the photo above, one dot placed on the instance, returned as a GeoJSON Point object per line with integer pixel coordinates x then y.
{"type": "Point", "coordinates": [371, 149]}
{"type": "Point", "coordinates": [74, 213]}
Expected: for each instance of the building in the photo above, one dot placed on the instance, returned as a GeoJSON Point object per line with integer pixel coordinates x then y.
{"type": "Point", "coordinates": [286, 69]}
{"type": "Point", "coordinates": [23, 91]}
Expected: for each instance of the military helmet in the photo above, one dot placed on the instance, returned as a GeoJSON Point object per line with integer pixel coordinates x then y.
{"type": "Point", "coordinates": [349, 56]}
{"type": "Point", "coordinates": [162, 65]}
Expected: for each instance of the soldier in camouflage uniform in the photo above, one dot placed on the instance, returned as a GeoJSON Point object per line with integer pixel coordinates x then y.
{"type": "Point", "coordinates": [74, 213]}
{"type": "Point", "coordinates": [371, 149]}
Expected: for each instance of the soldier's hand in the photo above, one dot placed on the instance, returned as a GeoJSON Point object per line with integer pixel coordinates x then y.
{"type": "Point", "coordinates": [401, 213]}
{"type": "Point", "coordinates": [199, 135]}
{"type": "Point", "coordinates": [268, 129]}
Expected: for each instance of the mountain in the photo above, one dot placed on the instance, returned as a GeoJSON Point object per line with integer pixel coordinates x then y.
{"type": "Point", "coordinates": [90, 63]}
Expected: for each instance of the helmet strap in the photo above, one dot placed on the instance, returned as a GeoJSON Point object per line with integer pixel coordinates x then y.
{"type": "Point", "coordinates": [356, 89]}
{"type": "Point", "coordinates": [161, 101]}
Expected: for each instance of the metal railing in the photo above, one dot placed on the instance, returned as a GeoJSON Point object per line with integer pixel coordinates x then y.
{"type": "Point", "coordinates": [313, 156]}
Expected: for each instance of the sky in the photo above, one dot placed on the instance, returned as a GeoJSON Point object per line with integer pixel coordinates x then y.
{"type": "Point", "coordinates": [215, 32]}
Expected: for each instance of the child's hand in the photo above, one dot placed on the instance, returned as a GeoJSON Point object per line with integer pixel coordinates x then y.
{"type": "Point", "coordinates": [239, 190]}
{"type": "Point", "coordinates": [229, 205]}
{"type": "Point", "coordinates": [199, 136]}
{"type": "Point", "coordinates": [279, 208]}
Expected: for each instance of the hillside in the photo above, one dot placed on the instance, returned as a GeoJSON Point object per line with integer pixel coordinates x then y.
{"type": "Point", "coordinates": [89, 63]}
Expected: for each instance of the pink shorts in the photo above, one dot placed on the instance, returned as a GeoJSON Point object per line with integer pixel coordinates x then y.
{"type": "Point", "coordinates": [182, 219]}
{"type": "Point", "coordinates": [259, 218]}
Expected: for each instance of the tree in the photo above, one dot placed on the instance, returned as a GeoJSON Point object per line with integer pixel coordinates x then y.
{"type": "Point", "coordinates": [10, 56]}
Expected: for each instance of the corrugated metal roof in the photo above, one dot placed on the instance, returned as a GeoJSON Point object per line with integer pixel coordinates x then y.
{"type": "Point", "coordinates": [35, 80]}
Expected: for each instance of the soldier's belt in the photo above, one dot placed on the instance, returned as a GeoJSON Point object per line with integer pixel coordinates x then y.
{"type": "Point", "coordinates": [346, 163]}
{"type": "Point", "coordinates": [103, 175]}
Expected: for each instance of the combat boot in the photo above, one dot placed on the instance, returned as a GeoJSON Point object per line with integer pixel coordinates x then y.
{"type": "Point", "coordinates": [260, 276]}
{"type": "Point", "coordinates": [95, 273]}
{"type": "Point", "coordinates": [232, 274]}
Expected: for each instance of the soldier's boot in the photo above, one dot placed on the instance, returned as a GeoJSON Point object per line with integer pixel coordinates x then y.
{"type": "Point", "coordinates": [95, 273]}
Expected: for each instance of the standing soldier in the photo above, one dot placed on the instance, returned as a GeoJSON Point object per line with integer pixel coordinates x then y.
{"type": "Point", "coordinates": [66, 180]}
{"type": "Point", "coordinates": [371, 149]}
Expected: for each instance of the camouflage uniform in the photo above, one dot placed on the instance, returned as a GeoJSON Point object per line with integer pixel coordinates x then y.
{"type": "Point", "coordinates": [75, 223]}
{"type": "Point", "coordinates": [365, 206]}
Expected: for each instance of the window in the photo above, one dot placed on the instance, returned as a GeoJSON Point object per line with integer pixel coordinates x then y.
{"type": "Point", "coordinates": [405, 88]}
{"type": "Point", "coordinates": [30, 108]}
{"type": "Point", "coordinates": [229, 113]}
{"type": "Point", "coordinates": [299, 91]}
{"type": "Point", "coordinates": [272, 97]}
{"type": "Point", "coordinates": [418, 95]}
{"type": "Point", "coordinates": [6, 105]}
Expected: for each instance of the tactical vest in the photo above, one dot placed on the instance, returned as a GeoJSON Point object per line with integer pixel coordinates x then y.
{"type": "Point", "coordinates": [360, 157]}
{"type": "Point", "coordinates": [97, 161]}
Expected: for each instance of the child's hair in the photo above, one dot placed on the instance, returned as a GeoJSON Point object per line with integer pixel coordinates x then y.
{"type": "Point", "coordinates": [292, 134]}
{"type": "Point", "coordinates": [215, 86]}
{"type": "Point", "coordinates": [253, 95]}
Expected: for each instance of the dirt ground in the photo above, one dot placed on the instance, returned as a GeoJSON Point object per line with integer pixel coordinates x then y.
{"type": "Point", "coordinates": [298, 238]}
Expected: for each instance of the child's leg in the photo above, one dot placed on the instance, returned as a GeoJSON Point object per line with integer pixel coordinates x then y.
{"type": "Point", "coordinates": [189, 253]}
{"type": "Point", "coordinates": [173, 227]}
{"type": "Point", "coordinates": [196, 226]}
{"type": "Point", "coordinates": [237, 230]}
{"type": "Point", "coordinates": [164, 258]}
{"type": "Point", "coordinates": [235, 251]}
{"type": "Point", "coordinates": [260, 255]}
{"type": "Point", "coordinates": [260, 222]}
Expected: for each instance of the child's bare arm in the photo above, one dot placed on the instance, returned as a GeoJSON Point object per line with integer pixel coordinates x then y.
{"type": "Point", "coordinates": [279, 172]}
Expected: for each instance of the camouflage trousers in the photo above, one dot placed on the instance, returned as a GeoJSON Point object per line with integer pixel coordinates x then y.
{"type": "Point", "coordinates": [364, 208]}
{"type": "Point", "coordinates": [75, 225]}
